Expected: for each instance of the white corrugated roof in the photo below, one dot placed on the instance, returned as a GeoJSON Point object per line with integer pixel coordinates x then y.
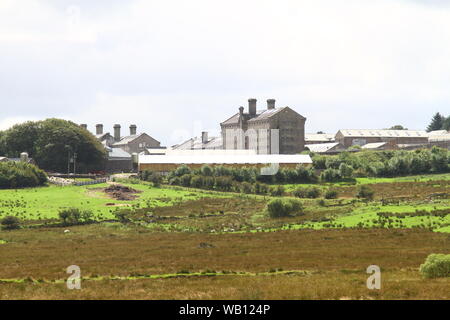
{"type": "Point", "coordinates": [438, 132]}
{"type": "Point", "coordinates": [319, 137]}
{"type": "Point", "coordinates": [321, 147]}
{"type": "Point", "coordinates": [221, 159]}
{"type": "Point", "coordinates": [210, 152]}
{"type": "Point", "coordinates": [374, 145]}
{"type": "Point", "coordinates": [437, 138]}
{"type": "Point", "coordinates": [384, 133]}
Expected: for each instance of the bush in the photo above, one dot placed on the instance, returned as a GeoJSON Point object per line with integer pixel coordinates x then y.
{"type": "Point", "coordinates": [223, 183]}
{"type": "Point", "coordinates": [311, 192]}
{"type": "Point", "coordinates": [365, 192]}
{"type": "Point", "coordinates": [185, 180]}
{"type": "Point", "coordinates": [436, 266]}
{"type": "Point", "coordinates": [246, 187]}
{"type": "Point", "coordinates": [206, 171]}
{"type": "Point", "coordinates": [345, 170]}
{"type": "Point", "coordinates": [152, 177]}
{"type": "Point", "coordinates": [278, 208]}
{"type": "Point", "coordinates": [10, 223]}
{"type": "Point", "coordinates": [181, 171]}
{"type": "Point", "coordinates": [331, 194]}
{"type": "Point", "coordinates": [20, 175]}
{"type": "Point", "coordinates": [197, 182]}
{"type": "Point", "coordinates": [261, 188]}
{"type": "Point", "coordinates": [330, 175]}
{"type": "Point", "coordinates": [74, 216]}
{"type": "Point", "coordinates": [277, 191]}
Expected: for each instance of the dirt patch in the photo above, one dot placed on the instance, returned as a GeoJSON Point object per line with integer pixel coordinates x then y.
{"type": "Point", "coordinates": [123, 193]}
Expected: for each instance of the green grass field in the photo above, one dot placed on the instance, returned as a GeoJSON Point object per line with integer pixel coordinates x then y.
{"type": "Point", "coordinates": [45, 202]}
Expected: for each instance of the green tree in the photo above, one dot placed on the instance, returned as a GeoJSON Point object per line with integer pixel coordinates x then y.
{"type": "Point", "coordinates": [50, 141]}
{"type": "Point", "coordinates": [398, 127]}
{"type": "Point", "coordinates": [445, 125]}
{"type": "Point", "coordinates": [436, 122]}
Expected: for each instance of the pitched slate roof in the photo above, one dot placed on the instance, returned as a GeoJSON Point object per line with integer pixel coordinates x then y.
{"type": "Point", "coordinates": [117, 153]}
{"type": "Point", "coordinates": [128, 139]}
{"type": "Point", "coordinates": [260, 115]}
{"type": "Point", "coordinates": [197, 143]}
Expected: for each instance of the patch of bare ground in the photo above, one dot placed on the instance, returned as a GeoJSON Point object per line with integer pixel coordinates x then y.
{"type": "Point", "coordinates": [120, 192]}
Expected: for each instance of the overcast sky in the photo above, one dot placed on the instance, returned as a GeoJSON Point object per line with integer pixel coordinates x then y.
{"type": "Point", "coordinates": [175, 68]}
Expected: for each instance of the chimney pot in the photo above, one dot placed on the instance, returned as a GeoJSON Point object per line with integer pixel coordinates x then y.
{"type": "Point", "coordinates": [99, 129]}
{"type": "Point", "coordinates": [241, 110]}
{"type": "Point", "coordinates": [252, 106]}
{"type": "Point", "coordinates": [117, 132]}
{"type": "Point", "coordinates": [204, 137]}
{"type": "Point", "coordinates": [270, 104]}
{"type": "Point", "coordinates": [133, 130]}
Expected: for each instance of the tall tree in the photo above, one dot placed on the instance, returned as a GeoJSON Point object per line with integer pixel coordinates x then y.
{"type": "Point", "coordinates": [446, 125]}
{"type": "Point", "coordinates": [436, 122]}
{"type": "Point", "coordinates": [50, 142]}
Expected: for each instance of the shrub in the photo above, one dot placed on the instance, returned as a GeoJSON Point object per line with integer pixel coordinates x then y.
{"type": "Point", "coordinates": [331, 194]}
{"type": "Point", "coordinates": [277, 191]}
{"type": "Point", "coordinates": [330, 175]}
{"type": "Point", "coordinates": [278, 208]}
{"type": "Point", "coordinates": [246, 187]}
{"type": "Point", "coordinates": [365, 192]}
{"type": "Point", "coordinates": [319, 162]}
{"type": "Point", "coordinates": [223, 183]}
{"type": "Point", "coordinates": [181, 171]}
{"type": "Point", "coordinates": [20, 175]}
{"type": "Point", "coordinates": [10, 223]}
{"type": "Point", "coordinates": [207, 171]}
{"type": "Point", "coordinates": [345, 170]}
{"type": "Point", "coordinates": [74, 216]}
{"type": "Point", "coordinates": [310, 192]}
{"type": "Point", "coordinates": [153, 177]}
{"type": "Point", "coordinates": [261, 188]}
{"type": "Point", "coordinates": [185, 180]}
{"type": "Point", "coordinates": [436, 266]}
{"type": "Point", "coordinates": [197, 182]}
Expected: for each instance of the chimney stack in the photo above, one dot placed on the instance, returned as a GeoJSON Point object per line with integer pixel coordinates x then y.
{"type": "Point", "coordinates": [133, 130]}
{"type": "Point", "coordinates": [270, 104]}
{"type": "Point", "coordinates": [84, 126]}
{"type": "Point", "coordinates": [99, 129]}
{"type": "Point", "coordinates": [252, 107]}
{"type": "Point", "coordinates": [204, 137]}
{"type": "Point", "coordinates": [117, 132]}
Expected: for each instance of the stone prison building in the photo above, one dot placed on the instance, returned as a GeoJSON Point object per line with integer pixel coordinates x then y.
{"type": "Point", "coordinates": [270, 131]}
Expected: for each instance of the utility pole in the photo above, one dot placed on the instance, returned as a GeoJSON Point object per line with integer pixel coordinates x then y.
{"type": "Point", "coordinates": [74, 162]}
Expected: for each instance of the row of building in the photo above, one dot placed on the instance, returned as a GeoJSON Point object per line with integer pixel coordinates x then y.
{"type": "Point", "coordinates": [257, 132]}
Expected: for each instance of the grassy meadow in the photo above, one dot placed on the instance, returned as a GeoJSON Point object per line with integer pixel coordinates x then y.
{"type": "Point", "coordinates": [185, 243]}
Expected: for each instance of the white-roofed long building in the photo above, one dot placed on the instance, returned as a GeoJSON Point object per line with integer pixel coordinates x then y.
{"type": "Point", "coordinates": [166, 163]}
{"type": "Point", "coordinates": [362, 137]}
